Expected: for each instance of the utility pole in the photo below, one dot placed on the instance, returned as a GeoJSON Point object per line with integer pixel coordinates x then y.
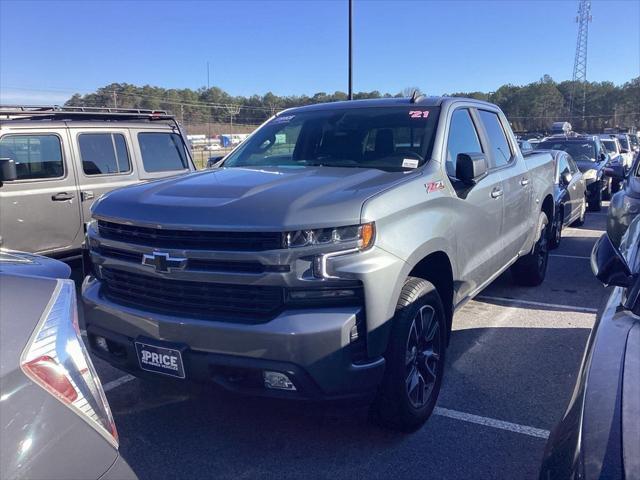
{"type": "Point", "coordinates": [350, 49]}
{"type": "Point", "coordinates": [580, 62]}
{"type": "Point", "coordinates": [115, 99]}
{"type": "Point", "coordinates": [208, 109]}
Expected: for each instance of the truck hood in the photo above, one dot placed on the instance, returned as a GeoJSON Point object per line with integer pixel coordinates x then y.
{"type": "Point", "coordinates": [246, 199]}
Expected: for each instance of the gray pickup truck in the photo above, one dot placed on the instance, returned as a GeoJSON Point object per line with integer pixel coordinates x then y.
{"type": "Point", "coordinates": [326, 255]}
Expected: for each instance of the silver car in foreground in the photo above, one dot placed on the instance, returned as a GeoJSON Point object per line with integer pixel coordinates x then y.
{"type": "Point", "coordinates": [55, 422]}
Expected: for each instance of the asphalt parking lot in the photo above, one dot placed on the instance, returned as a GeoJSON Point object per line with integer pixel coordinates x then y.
{"type": "Point", "coordinates": [510, 372]}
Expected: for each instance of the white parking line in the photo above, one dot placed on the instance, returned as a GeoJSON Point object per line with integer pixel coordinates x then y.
{"type": "Point", "coordinates": [515, 301]}
{"type": "Point", "coordinates": [443, 412]}
{"type": "Point", "coordinates": [492, 422]}
{"type": "Point", "coordinates": [117, 382]}
{"type": "Point", "coordinates": [581, 257]}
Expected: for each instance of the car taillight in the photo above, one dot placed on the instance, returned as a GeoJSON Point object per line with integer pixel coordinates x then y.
{"type": "Point", "coordinates": [56, 359]}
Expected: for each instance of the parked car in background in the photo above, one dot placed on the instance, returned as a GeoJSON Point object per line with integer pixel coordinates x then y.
{"type": "Point", "coordinates": [612, 145]}
{"type": "Point", "coordinates": [525, 146]}
{"type": "Point", "coordinates": [65, 158]}
{"type": "Point", "coordinates": [56, 422]}
{"type": "Point", "coordinates": [625, 205]}
{"type": "Point", "coordinates": [21, 263]}
{"type": "Point", "coordinates": [326, 255]}
{"type": "Point", "coordinates": [599, 435]}
{"type": "Point", "coordinates": [635, 143]}
{"type": "Point", "coordinates": [591, 158]}
{"type": "Point", "coordinates": [570, 196]}
{"type": "Point", "coordinates": [626, 150]}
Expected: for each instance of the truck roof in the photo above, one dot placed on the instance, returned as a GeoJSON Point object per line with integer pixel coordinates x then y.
{"type": "Point", "coordinates": [56, 116]}
{"type": "Point", "coordinates": [421, 101]}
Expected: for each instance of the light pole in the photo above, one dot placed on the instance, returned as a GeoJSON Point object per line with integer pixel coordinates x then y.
{"type": "Point", "coordinates": [350, 49]}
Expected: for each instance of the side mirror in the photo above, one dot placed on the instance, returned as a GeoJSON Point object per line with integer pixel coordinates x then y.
{"type": "Point", "coordinates": [7, 170]}
{"type": "Point", "coordinates": [213, 161]}
{"type": "Point", "coordinates": [566, 177]}
{"type": "Point", "coordinates": [615, 171]}
{"type": "Point", "coordinates": [471, 167]}
{"type": "Point", "coordinates": [608, 264]}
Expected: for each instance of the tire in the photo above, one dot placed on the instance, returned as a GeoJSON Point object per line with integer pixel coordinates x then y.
{"type": "Point", "coordinates": [531, 269]}
{"type": "Point", "coordinates": [615, 187]}
{"type": "Point", "coordinates": [556, 233]}
{"type": "Point", "coordinates": [414, 359]}
{"type": "Point", "coordinates": [595, 200]}
{"type": "Point", "coordinates": [606, 194]}
{"type": "Point", "coordinates": [583, 212]}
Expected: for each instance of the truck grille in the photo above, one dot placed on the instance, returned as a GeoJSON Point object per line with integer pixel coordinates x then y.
{"type": "Point", "coordinates": [189, 239]}
{"type": "Point", "coordinates": [221, 302]}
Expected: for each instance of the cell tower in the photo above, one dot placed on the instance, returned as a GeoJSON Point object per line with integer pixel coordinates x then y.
{"type": "Point", "coordinates": [580, 63]}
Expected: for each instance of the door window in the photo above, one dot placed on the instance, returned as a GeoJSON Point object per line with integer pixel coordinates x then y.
{"type": "Point", "coordinates": [104, 153]}
{"type": "Point", "coordinates": [162, 152]}
{"type": "Point", "coordinates": [463, 138]}
{"type": "Point", "coordinates": [36, 156]}
{"type": "Point", "coordinates": [500, 151]}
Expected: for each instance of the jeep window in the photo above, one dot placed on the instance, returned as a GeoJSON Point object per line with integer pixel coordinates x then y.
{"type": "Point", "coordinates": [580, 151]}
{"type": "Point", "coordinates": [36, 156]}
{"type": "Point", "coordinates": [103, 153]}
{"type": "Point", "coordinates": [463, 138]}
{"type": "Point", "coordinates": [162, 152]}
{"type": "Point", "coordinates": [501, 153]}
{"type": "Point", "coordinates": [386, 138]}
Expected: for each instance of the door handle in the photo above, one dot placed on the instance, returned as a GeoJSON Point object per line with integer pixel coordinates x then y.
{"type": "Point", "coordinates": [62, 197]}
{"type": "Point", "coordinates": [496, 192]}
{"type": "Point", "coordinates": [524, 182]}
{"type": "Point", "coordinates": [86, 195]}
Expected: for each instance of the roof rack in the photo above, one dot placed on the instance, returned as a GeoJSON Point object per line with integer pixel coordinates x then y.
{"type": "Point", "coordinates": [103, 113]}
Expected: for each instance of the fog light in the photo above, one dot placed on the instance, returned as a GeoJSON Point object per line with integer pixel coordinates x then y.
{"type": "Point", "coordinates": [101, 343]}
{"type": "Point", "coordinates": [278, 381]}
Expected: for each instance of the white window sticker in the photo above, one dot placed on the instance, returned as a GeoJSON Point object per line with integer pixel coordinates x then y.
{"type": "Point", "coordinates": [410, 163]}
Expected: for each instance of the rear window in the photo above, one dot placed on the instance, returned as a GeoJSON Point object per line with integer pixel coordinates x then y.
{"type": "Point", "coordinates": [162, 152]}
{"type": "Point", "coordinates": [36, 156]}
{"type": "Point", "coordinates": [580, 151]}
{"type": "Point", "coordinates": [610, 145]}
{"type": "Point", "coordinates": [104, 153]}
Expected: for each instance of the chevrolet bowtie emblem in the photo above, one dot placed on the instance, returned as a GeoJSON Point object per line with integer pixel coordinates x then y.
{"type": "Point", "coordinates": [162, 262]}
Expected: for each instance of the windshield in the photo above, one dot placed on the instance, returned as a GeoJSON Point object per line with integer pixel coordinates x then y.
{"type": "Point", "coordinates": [580, 151]}
{"type": "Point", "coordinates": [610, 145]}
{"type": "Point", "coordinates": [387, 138]}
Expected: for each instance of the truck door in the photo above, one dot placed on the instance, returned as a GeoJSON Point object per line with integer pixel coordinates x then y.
{"type": "Point", "coordinates": [104, 163]}
{"type": "Point", "coordinates": [40, 210]}
{"type": "Point", "coordinates": [477, 235]}
{"type": "Point", "coordinates": [517, 185]}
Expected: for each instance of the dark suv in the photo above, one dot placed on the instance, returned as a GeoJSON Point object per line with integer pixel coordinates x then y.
{"type": "Point", "coordinates": [591, 157]}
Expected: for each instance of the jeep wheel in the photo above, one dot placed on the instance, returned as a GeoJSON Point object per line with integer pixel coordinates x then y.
{"type": "Point", "coordinates": [531, 269]}
{"type": "Point", "coordinates": [595, 199]}
{"type": "Point", "coordinates": [414, 359]}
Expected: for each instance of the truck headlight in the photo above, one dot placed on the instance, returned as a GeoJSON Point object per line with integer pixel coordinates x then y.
{"type": "Point", "coordinates": [360, 235]}
{"type": "Point", "coordinates": [590, 174]}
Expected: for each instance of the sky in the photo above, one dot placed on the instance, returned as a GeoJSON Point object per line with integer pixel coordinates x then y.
{"type": "Point", "coordinates": [51, 49]}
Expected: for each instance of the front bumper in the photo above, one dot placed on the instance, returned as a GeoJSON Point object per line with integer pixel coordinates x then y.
{"type": "Point", "coordinates": [315, 348]}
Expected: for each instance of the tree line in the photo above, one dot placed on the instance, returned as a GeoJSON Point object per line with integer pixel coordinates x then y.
{"type": "Point", "coordinates": [529, 108]}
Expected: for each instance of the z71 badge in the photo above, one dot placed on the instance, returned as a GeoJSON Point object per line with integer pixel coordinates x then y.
{"type": "Point", "coordinates": [434, 186]}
